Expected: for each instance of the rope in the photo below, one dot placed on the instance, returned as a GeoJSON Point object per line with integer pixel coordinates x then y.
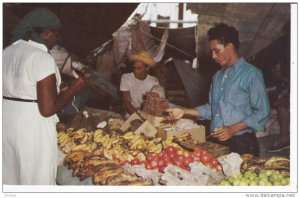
{"type": "Point", "coordinates": [172, 46]}
{"type": "Point", "coordinates": [74, 105]}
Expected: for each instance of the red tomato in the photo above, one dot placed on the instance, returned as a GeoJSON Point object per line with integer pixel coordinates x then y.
{"type": "Point", "coordinates": [191, 154]}
{"type": "Point", "coordinates": [197, 159]}
{"type": "Point", "coordinates": [165, 157]}
{"type": "Point", "coordinates": [178, 158]}
{"type": "Point", "coordinates": [135, 161]}
{"type": "Point", "coordinates": [179, 152]}
{"type": "Point", "coordinates": [143, 162]}
{"type": "Point", "coordinates": [214, 162]}
{"type": "Point", "coordinates": [187, 168]}
{"type": "Point", "coordinates": [198, 150]}
{"type": "Point", "coordinates": [148, 165]}
{"type": "Point", "coordinates": [153, 164]}
{"type": "Point", "coordinates": [170, 149]}
{"type": "Point", "coordinates": [161, 163]}
{"type": "Point", "coordinates": [203, 152]}
{"type": "Point", "coordinates": [204, 158]}
{"type": "Point", "coordinates": [178, 163]}
{"type": "Point", "coordinates": [171, 156]}
{"type": "Point", "coordinates": [152, 157]}
{"type": "Point", "coordinates": [161, 168]}
{"type": "Point", "coordinates": [208, 164]}
{"type": "Point", "coordinates": [197, 154]}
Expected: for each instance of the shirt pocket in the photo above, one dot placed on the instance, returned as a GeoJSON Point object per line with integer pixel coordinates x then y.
{"type": "Point", "coordinates": [238, 96]}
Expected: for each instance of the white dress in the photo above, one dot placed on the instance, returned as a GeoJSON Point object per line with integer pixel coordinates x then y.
{"type": "Point", "coordinates": [29, 139]}
{"type": "Point", "coordinates": [136, 87]}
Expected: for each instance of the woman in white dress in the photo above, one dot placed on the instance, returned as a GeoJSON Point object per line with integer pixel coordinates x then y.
{"type": "Point", "coordinates": [31, 100]}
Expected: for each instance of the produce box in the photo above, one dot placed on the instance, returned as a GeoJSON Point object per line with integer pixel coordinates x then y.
{"type": "Point", "coordinates": [145, 127]}
{"type": "Point", "coordinates": [197, 133]}
{"type": "Point", "coordinates": [154, 120]}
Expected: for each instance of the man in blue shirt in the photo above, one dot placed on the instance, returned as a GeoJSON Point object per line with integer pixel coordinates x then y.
{"type": "Point", "coordinates": [238, 102]}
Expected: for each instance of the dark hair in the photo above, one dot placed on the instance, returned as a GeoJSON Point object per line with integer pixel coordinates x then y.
{"type": "Point", "coordinates": [224, 34]}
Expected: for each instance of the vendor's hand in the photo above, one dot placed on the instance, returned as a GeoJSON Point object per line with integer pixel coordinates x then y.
{"type": "Point", "coordinates": [223, 134]}
{"type": "Point", "coordinates": [175, 114]}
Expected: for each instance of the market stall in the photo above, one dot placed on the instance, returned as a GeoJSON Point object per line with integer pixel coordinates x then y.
{"type": "Point", "coordinates": [100, 148]}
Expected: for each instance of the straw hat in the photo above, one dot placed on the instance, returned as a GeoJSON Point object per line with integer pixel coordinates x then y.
{"type": "Point", "coordinates": [143, 57]}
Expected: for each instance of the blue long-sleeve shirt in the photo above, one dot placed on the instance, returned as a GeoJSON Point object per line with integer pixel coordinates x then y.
{"type": "Point", "coordinates": [237, 94]}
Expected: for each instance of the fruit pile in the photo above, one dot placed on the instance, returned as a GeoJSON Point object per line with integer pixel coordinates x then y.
{"type": "Point", "coordinates": [178, 157]}
{"type": "Point", "coordinates": [264, 178]}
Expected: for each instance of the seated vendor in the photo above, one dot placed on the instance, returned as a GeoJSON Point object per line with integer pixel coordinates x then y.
{"type": "Point", "coordinates": [135, 84]}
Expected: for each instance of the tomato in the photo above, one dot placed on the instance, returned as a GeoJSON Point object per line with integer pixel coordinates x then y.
{"type": "Point", "coordinates": [161, 168]}
{"type": "Point", "coordinates": [204, 158]}
{"type": "Point", "coordinates": [164, 157]}
{"type": "Point", "coordinates": [179, 152]}
{"type": "Point", "coordinates": [198, 150]}
{"type": "Point", "coordinates": [197, 154]}
{"type": "Point", "coordinates": [161, 163]}
{"type": "Point", "coordinates": [187, 168]}
{"type": "Point", "coordinates": [178, 163]}
{"type": "Point", "coordinates": [142, 162]}
{"type": "Point", "coordinates": [203, 152]}
{"type": "Point", "coordinates": [197, 159]}
{"type": "Point", "coordinates": [191, 154]}
{"type": "Point", "coordinates": [171, 156]}
{"type": "Point", "coordinates": [170, 149]}
{"type": "Point", "coordinates": [208, 164]}
{"type": "Point", "coordinates": [214, 162]}
{"type": "Point", "coordinates": [148, 165]}
{"type": "Point", "coordinates": [153, 164]}
{"type": "Point", "coordinates": [178, 158]}
{"type": "Point", "coordinates": [152, 157]}
{"type": "Point", "coordinates": [135, 161]}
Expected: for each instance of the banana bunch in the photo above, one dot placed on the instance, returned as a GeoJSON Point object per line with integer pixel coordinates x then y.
{"type": "Point", "coordinates": [128, 136]}
{"type": "Point", "coordinates": [62, 138]}
{"type": "Point", "coordinates": [74, 159]}
{"type": "Point", "coordinates": [80, 133]}
{"type": "Point", "coordinates": [277, 163]}
{"type": "Point", "coordinates": [168, 141]}
{"type": "Point", "coordinates": [84, 147]}
{"type": "Point", "coordinates": [137, 142]}
{"type": "Point", "coordinates": [253, 165]}
{"type": "Point", "coordinates": [184, 136]}
{"type": "Point", "coordinates": [97, 135]}
{"type": "Point", "coordinates": [155, 148]}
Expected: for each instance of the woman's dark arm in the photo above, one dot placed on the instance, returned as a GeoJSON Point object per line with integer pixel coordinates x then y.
{"type": "Point", "coordinates": [49, 101]}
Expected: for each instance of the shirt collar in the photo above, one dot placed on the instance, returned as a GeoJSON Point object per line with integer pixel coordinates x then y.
{"type": "Point", "coordinates": [238, 63]}
{"type": "Point", "coordinates": [38, 45]}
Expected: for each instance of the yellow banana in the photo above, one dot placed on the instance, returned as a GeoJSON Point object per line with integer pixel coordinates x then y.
{"type": "Point", "coordinates": [59, 134]}
{"type": "Point", "coordinates": [70, 130]}
{"type": "Point", "coordinates": [136, 143]}
{"type": "Point", "coordinates": [98, 132]}
{"type": "Point", "coordinates": [128, 135]}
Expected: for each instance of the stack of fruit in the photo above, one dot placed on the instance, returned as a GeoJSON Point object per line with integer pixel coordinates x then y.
{"type": "Point", "coordinates": [264, 178]}
{"type": "Point", "coordinates": [178, 157]}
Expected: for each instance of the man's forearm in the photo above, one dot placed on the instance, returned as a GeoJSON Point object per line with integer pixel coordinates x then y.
{"type": "Point", "coordinates": [191, 112]}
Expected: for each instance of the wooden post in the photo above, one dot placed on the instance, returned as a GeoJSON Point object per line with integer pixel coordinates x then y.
{"type": "Point", "coordinates": [180, 14]}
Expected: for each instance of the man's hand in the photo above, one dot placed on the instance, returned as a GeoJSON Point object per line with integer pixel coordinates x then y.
{"type": "Point", "coordinates": [174, 114]}
{"type": "Point", "coordinates": [223, 133]}
{"type": "Point", "coordinates": [227, 132]}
